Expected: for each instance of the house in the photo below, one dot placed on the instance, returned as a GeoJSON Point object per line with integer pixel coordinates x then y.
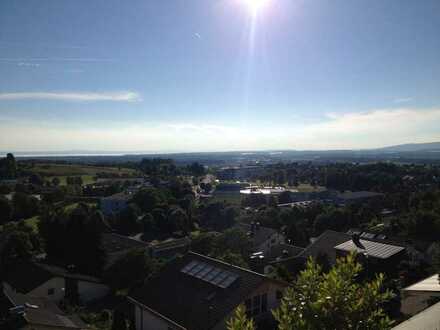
{"type": "Point", "coordinates": [195, 292]}
{"type": "Point", "coordinates": [265, 263]}
{"type": "Point", "coordinates": [376, 254]}
{"type": "Point", "coordinates": [116, 246]}
{"type": "Point", "coordinates": [170, 247]}
{"type": "Point", "coordinates": [53, 283]}
{"type": "Point", "coordinates": [262, 238]}
{"type": "Point", "coordinates": [416, 297]}
{"type": "Point", "coordinates": [23, 312]}
{"type": "Point", "coordinates": [115, 203]}
{"type": "Point", "coordinates": [428, 319]}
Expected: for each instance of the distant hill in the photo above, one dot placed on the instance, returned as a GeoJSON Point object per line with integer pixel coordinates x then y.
{"type": "Point", "coordinates": [412, 147]}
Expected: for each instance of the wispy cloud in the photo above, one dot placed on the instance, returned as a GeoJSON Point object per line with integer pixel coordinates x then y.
{"type": "Point", "coordinates": [30, 65]}
{"type": "Point", "coordinates": [73, 96]}
{"type": "Point", "coordinates": [55, 59]}
{"type": "Point", "coordinates": [403, 100]}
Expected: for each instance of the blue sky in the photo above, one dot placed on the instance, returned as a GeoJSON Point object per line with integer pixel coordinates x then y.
{"type": "Point", "coordinates": [207, 75]}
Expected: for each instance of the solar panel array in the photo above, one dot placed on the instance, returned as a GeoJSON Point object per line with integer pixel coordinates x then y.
{"type": "Point", "coordinates": [211, 274]}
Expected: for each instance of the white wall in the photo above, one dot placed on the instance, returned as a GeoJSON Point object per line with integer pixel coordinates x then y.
{"type": "Point", "coordinates": [56, 283]}
{"type": "Point", "coordinates": [266, 246]}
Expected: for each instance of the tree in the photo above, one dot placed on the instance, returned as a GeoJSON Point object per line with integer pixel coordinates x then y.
{"type": "Point", "coordinates": [127, 220]}
{"type": "Point", "coordinates": [73, 238]}
{"type": "Point", "coordinates": [239, 321]}
{"type": "Point", "coordinates": [119, 322]}
{"type": "Point", "coordinates": [5, 210]}
{"type": "Point", "coordinates": [25, 206]}
{"type": "Point", "coordinates": [333, 300]}
{"type": "Point", "coordinates": [8, 167]}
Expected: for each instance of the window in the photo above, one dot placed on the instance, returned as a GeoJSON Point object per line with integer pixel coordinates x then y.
{"type": "Point", "coordinates": [51, 291]}
{"type": "Point", "coordinates": [256, 305]}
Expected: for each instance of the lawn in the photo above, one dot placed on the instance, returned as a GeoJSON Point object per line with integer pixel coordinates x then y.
{"type": "Point", "coordinates": [233, 198]}
{"type": "Point", "coordinates": [86, 172]}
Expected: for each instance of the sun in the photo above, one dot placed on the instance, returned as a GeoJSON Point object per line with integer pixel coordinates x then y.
{"type": "Point", "coordinates": [255, 5]}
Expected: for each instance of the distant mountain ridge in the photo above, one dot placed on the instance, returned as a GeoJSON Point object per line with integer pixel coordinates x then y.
{"type": "Point", "coordinates": [412, 147]}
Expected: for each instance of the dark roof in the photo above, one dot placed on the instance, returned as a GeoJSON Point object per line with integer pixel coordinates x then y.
{"type": "Point", "coordinates": [19, 276]}
{"type": "Point", "coordinates": [191, 302]}
{"type": "Point", "coordinates": [373, 249]}
{"type": "Point", "coordinates": [259, 235]}
{"type": "Point", "coordinates": [116, 245]}
{"type": "Point", "coordinates": [41, 311]}
{"type": "Point", "coordinates": [352, 195]}
{"type": "Point", "coordinates": [26, 276]}
{"type": "Point", "coordinates": [324, 245]}
{"type": "Point", "coordinates": [280, 251]}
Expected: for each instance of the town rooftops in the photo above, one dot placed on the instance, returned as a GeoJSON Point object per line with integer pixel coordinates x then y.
{"type": "Point", "coordinates": [197, 292]}
{"type": "Point", "coordinates": [431, 284]}
{"type": "Point", "coordinates": [373, 249]}
{"type": "Point", "coordinates": [42, 312]}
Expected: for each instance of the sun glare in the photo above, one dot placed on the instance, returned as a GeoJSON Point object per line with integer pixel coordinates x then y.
{"type": "Point", "coordinates": [255, 5]}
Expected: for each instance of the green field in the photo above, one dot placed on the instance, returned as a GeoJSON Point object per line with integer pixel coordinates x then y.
{"type": "Point", "coordinates": [86, 172]}
{"type": "Point", "coordinates": [233, 198]}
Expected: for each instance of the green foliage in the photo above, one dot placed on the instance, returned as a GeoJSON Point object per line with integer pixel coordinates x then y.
{"type": "Point", "coordinates": [239, 320]}
{"type": "Point", "coordinates": [333, 300]}
{"type": "Point", "coordinates": [5, 210]}
{"type": "Point", "coordinates": [8, 167]}
{"type": "Point", "coordinates": [73, 238]}
{"type": "Point", "coordinates": [24, 206]}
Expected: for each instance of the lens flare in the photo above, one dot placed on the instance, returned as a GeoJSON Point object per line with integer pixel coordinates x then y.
{"type": "Point", "coordinates": [255, 5]}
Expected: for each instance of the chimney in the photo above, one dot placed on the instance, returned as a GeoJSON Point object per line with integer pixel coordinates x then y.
{"type": "Point", "coordinates": [356, 240]}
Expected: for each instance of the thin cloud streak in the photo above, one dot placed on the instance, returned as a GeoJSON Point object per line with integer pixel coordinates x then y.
{"type": "Point", "coordinates": [403, 100]}
{"type": "Point", "coordinates": [72, 96]}
{"type": "Point", "coordinates": [55, 59]}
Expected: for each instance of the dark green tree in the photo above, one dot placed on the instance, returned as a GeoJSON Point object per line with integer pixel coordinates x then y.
{"type": "Point", "coordinates": [333, 300]}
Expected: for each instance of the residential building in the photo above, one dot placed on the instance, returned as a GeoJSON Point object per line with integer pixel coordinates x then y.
{"type": "Point", "coordinates": [116, 246]}
{"type": "Point", "coordinates": [195, 292]}
{"type": "Point", "coordinates": [376, 254]}
{"type": "Point", "coordinates": [115, 203]}
{"type": "Point", "coordinates": [262, 238]}
{"type": "Point", "coordinates": [53, 283]}
{"type": "Point", "coordinates": [25, 312]}
{"type": "Point", "coordinates": [428, 319]}
{"type": "Point", "coordinates": [416, 297]}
